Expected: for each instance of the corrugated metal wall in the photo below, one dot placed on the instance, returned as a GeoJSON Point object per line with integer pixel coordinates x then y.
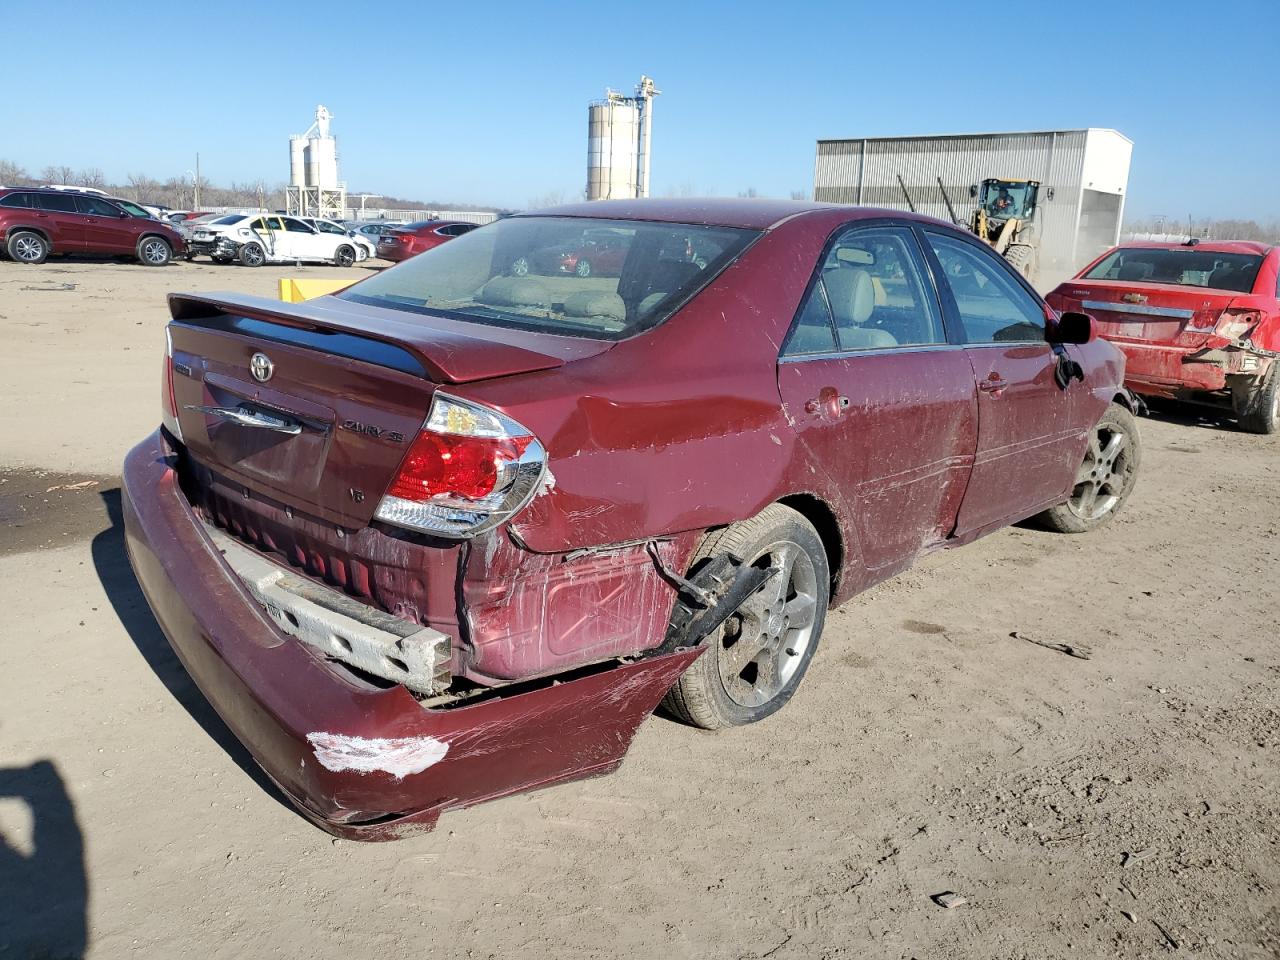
{"type": "Point", "coordinates": [866, 172]}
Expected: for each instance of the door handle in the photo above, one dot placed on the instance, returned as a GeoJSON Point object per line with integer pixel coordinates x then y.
{"type": "Point", "coordinates": [993, 384]}
{"type": "Point", "coordinates": [827, 403]}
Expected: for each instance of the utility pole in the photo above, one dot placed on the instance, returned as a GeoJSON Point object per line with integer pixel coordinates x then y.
{"type": "Point", "coordinates": [196, 185]}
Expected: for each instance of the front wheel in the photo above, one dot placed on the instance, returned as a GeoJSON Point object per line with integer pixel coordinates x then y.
{"type": "Point", "coordinates": [583, 269]}
{"type": "Point", "coordinates": [520, 266]}
{"type": "Point", "coordinates": [252, 255]}
{"type": "Point", "coordinates": [344, 256]}
{"type": "Point", "coordinates": [756, 659]}
{"type": "Point", "coordinates": [154, 251]}
{"type": "Point", "coordinates": [1106, 477]}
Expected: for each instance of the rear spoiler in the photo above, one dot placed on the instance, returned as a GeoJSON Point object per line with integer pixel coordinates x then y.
{"type": "Point", "coordinates": [442, 350]}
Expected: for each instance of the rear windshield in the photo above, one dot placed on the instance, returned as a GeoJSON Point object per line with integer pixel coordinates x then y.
{"type": "Point", "coordinates": [234, 218]}
{"type": "Point", "coordinates": [419, 224]}
{"type": "Point", "coordinates": [1186, 266]}
{"type": "Point", "coordinates": [602, 279]}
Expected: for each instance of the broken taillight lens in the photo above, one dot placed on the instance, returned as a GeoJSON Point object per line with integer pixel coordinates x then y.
{"type": "Point", "coordinates": [468, 470]}
{"type": "Point", "coordinates": [168, 399]}
{"type": "Point", "coordinates": [1234, 324]}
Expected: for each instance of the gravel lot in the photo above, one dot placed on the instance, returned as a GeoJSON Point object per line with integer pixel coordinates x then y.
{"type": "Point", "coordinates": [1122, 805]}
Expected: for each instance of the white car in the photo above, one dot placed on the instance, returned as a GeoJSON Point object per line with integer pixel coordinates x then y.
{"type": "Point", "coordinates": [365, 248]}
{"type": "Point", "coordinates": [255, 239]}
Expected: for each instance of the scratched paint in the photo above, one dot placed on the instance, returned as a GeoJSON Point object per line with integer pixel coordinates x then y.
{"type": "Point", "coordinates": [398, 756]}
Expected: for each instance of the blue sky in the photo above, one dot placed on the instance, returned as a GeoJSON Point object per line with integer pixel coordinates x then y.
{"type": "Point", "coordinates": [486, 102]}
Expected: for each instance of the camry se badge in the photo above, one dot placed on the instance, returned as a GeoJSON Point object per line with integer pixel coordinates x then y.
{"type": "Point", "coordinates": [261, 367]}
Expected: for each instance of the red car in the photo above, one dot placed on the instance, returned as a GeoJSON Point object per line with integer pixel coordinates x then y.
{"type": "Point", "coordinates": [1197, 322]}
{"type": "Point", "coordinates": [36, 222]}
{"type": "Point", "coordinates": [601, 253]}
{"type": "Point", "coordinates": [450, 534]}
{"type": "Point", "coordinates": [414, 238]}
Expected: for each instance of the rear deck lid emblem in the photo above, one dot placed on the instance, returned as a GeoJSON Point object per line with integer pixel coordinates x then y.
{"type": "Point", "coordinates": [261, 367]}
{"type": "Point", "coordinates": [1134, 298]}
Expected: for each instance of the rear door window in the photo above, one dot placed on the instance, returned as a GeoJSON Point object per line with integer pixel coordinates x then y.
{"type": "Point", "coordinates": [58, 202]}
{"type": "Point", "coordinates": [993, 306]}
{"type": "Point", "coordinates": [870, 295]}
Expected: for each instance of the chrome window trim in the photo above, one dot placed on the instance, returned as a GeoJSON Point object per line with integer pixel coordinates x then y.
{"type": "Point", "coordinates": [876, 352]}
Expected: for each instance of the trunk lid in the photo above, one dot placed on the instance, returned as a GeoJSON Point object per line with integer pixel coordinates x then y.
{"type": "Point", "coordinates": [348, 390]}
{"type": "Point", "coordinates": [1167, 314]}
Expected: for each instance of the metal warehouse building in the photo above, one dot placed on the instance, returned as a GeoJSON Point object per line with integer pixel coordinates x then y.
{"type": "Point", "coordinates": [1083, 175]}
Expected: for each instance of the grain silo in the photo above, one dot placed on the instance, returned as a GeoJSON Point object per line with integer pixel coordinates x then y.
{"type": "Point", "coordinates": [619, 134]}
{"type": "Point", "coordinates": [314, 188]}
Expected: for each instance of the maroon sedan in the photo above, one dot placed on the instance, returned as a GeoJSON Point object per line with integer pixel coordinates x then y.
{"type": "Point", "coordinates": [415, 238]}
{"type": "Point", "coordinates": [1198, 322]}
{"type": "Point", "coordinates": [36, 222]}
{"type": "Point", "coordinates": [450, 533]}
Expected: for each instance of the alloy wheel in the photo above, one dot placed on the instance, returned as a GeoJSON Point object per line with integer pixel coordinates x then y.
{"type": "Point", "coordinates": [29, 249]}
{"type": "Point", "coordinates": [1104, 474]}
{"type": "Point", "coordinates": [155, 251]}
{"type": "Point", "coordinates": [521, 267]}
{"type": "Point", "coordinates": [763, 644]}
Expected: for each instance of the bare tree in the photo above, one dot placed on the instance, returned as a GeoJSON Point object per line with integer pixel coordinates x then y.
{"type": "Point", "coordinates": [552, 198]}
{"type": "Point", "coordinates": [91, 177]}
{"type": "Point", "coordinates": [12, 175]}
{"type": "Point", "coordinates": [61, 175]}
{"type": "Point", "coordinates": [142, 186]}
{"type": "Point", "coordinates": [749, 192]}
{"type": "Point", "coordinates": [799, 194]}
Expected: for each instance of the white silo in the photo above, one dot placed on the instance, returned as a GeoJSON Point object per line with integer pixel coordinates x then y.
{"type": "Point", "coordinates": [297, 161]}
{"type": "Point", "coordinates": [314, 188]}
{"type": "Point", "coordinates": [618, 137]}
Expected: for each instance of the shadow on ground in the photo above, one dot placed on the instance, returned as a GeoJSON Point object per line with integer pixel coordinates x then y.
{"type": "Point", "coordinates": [112, 565]}
{"type": "Point", "coordinates": [44, 891]}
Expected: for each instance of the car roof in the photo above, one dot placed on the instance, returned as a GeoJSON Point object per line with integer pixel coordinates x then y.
{"type": "Point", "coordinates": [745, 213]}
{"type": "Point", "coordinates": [1205, 246]}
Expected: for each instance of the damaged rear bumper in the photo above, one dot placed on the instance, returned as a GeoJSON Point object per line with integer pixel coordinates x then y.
{"type": "Point", "coordinates": [361, 761]}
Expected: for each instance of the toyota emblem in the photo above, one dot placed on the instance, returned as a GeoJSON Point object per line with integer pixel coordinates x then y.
{"type": "Point", "coordinates": [261, 367]}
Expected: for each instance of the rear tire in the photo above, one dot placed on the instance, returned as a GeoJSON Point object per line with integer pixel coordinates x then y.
{"type": "Point", "coordinates": [154, 252]}
{"type": "Point", "coordinates": [27, 246]}
{"type": "Point", "coordinates": [1258, 410]}
{"type": "Point", "coordinates": [344, 256]}
{"type": "Point", "coordinates": [252, 255]}
{"type": "Point", "coordinates": [1104, 479]}
{"type": "Point", "coordinates": [755, 661]}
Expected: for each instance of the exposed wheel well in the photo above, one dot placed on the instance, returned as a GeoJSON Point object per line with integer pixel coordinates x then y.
{"type": "Point", "coordinates": [18, 228]}
{"type": "Point", "coordinates": [823, 518]}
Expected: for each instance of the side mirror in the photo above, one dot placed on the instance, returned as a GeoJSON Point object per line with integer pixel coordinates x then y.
{"type": "Point", "coordinates": [122, 215]}
{"type": "Point", "coordinates": [1073, 327]}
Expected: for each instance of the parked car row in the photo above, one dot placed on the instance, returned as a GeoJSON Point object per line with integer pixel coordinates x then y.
{"type": "Point", "coordinates": [36, 222]}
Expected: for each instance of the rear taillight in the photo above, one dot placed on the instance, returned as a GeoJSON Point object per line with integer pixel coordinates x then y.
{"type": "Point", "coordinates": [469, 469]}
{"type": "Point", "coordinates": [1234, 324]}
{"type": "Point", "coordinates": [168, 400]}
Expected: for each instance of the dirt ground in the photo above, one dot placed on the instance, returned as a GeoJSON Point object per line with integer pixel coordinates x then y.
{"type": "Point", "coordinates": [1123, 805]}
